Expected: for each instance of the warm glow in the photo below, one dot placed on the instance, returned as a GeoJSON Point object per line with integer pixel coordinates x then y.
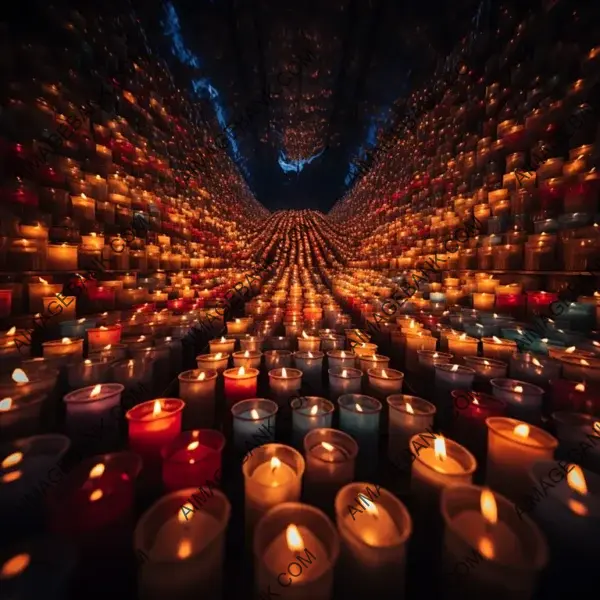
{"type": "Point", "coordinates": [358, 407]}
{"type": "Point", "coordinates": [314, 410]}
{"type": "Point", "coordinates": [439, 447]}
{"type": "Point", "coordinates": [327, 446]}
{"type": "Point", "coordinates": [454, 368]}
{"type": "Point", "coordinates": [576, 480]}
{"type": "Point", "coordinates": [201, 376]}
{"type": "Point", "coordinates": [584, 362]}
{"type": "Point", "coordinates": [409, 408]}
{"type": "Point", "coordinates": [223, 339]}
{"type": "Point", "coordinates": [369, 507]}
{"type": "Point", "coordinates": [496, 339]}
{"type": "Point", "coordinates": [42, 280]}
{"type": "Point", "coordinates": [193, 445]}
{"type": "Point", "coordinates": [218, 356]}
{"type": "Point", "coordinates": [293, 538]}
{"type": "Point", "coordinates": [246, 354]}
{"type": "Point", "coordinates": [435, 355]}
{"type": "Point", "coordinates": [304, 334]}
{"type": "Point", "coordinates": [518, 389]}
{"type": "Point", "coordinates": [463, 336]}
{"type": "Point", "coordinates": [87, 361]}
{"type": "Point", "coordinates": [96, 391]}
{"type": "Point", "coordinates": [15, 566]}
{"type": "Point", "coordinates": [521, 430]}
{"type": "Point", "coordinates": [344, 373]}
{"type": "Point", "coordinates": [12, 459]}
{"type": "Point", "coordinates": [19, 376]}
{"type": "Point", "coordinates": [384, 374]}
{"type": "Point", "coordinates": [186, 509]}
{"type": "Point", "coordinates": [66, 340]}
{"type": "Point", "coordinates": [275, 463]}
{"type": "Point", "coordinates": [11, 331]}
{"type": "Point", "coordinates": [107, 347]}
{"type": "Point", "coordinates": [489, 509]}
{"type": "Point", "coordinates": [580, 387]}
{"type": "Point", "coordinates": [97, 471]}
{"type": "Point", "coordinates": [184, 549]}
{"type": "Point", "coordinates": [343, 354]}
{"type": "Point", "coordinates": [5, 404]}
{"type": "Point", "coordinates": [157, 408]}
{"type": "Point", "coordinates": [96, 495]}
{"type": "Point", "coordinates": [310, 354]}
{"type": "Point", "coordinates": [570, 349]}
{"type": "Point", "coordinates": [254, 414]}
{"type": "Point", "coordinates": [283, 372]}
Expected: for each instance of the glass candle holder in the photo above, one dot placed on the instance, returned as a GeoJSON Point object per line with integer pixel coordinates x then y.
{"type": "Point", "coordinates": [341, 358]}
{"type": "Point", "coordinates": [578, 368]}
{"type": "Point", "coordinates": [21, 416]}
{"type": "Point", "coordinates": [330, 459]}
{"type": "Point", "coordinates": [513, 448]}
{"type": "Point", "coordinates": [274, 554]}
{"type": "Point", "coordinates": [523, 400]}
{"type": "Point", "coordinates": [280, 343]}
{"type": "Point", "coordinates": [384, 381]}
{"type": "Point", "coordinates": [89, 372]}
{"type": "Point", "coordinates": [416, 341]}
{"type": "Point", "coordinates": [277, 358]}
{"type": "Point", "coordinates": [284, 383]}
{"type": "Point", "coordinates": [240, 384]}
{"type": "Point", "coordinates": [331, 341]}
{"type": "Point", "coordinates": [344, 381]}
{"type": "Point", "coordinates": [309, 412]}
{"type": "Point", "coordinates": [185, 551]}
{"type": "Point", "coordinates": [272, 475]}
{"type": "Point", "coordinates": [252, 343]}
{"type": "Point", "coordinates": [253, 423]}
{"type": "Point", "coordinates": [197, 390]}
{"type": "Point", "coordinates": [192, 458]}
{"type": "Point", "coordinates": [28, 381]}
{"type": "Point", "coordinates": [223, 345]}
{"type": "Point", "coordinates": [247, 358]}
{"type": "Point", "coordinates": [373, 361]}
{"type": "Point", "coordinates": [217, 362]}
{"type": "Point", "coordinates": [308, 343]}
{"type": "Point", "coordinates": [498, 348]}
{"type": "Point", "coordinates": [311, 365]}
{"type": "Point", "coordinates": [103, 335]}
{"type": "Point", "coordinates": [76, 329]}
{"type": "Point", "coordinates": [359, 416]}
{"type": "Point", "coordinates": [484, 301]}
{"type": "Point", "coordinates": [518, 549]}
{"type": "Point", "coordinates": [462, 345]}
{"type": "Point", "coordinates": [573, 430]}
{"type": "Point", "coordinates": [486, 369]}
{"type": "Point", "coordinates": [536, 369]}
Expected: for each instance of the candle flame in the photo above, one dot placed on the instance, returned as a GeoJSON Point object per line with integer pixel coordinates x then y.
{"type": "Point", "coordinates": [328, 446]}
{"type": "Point", "coordinates": [496, 339]}
{"type": "Point", "coordinates": [184, 549]}
{"type": "Point", "coordinates": [344, 373]}
{"type": "Point", "coordinates": [304, 334]}
{"type": "Point", "coordinates": [11, 331]}
{"type": "Point", "coordinates": [12, 459]}
{"type": "Point", "coordinates": [409, 408]}
{"type": "Point", "coordinates": [284, 372]}
{"type": "Point", "coordinates": [580, 387]}
{"type": "Point", "coordinates": [584, 362]}
{"type": "Point", "coordinates": [576, 480]}
{"type": "Point", "coordinates": [97, 389]}
{"type": "Point", "coordinates": [454, 368]}
{"type": "Point", "coordinates": [435, 355]}
{"type": "Point", "coordinates": [218, 356]}
{"type": "Point", "coordinates": [182, 515]}
{"type": "Point", "coordinates": [518, 389]}
{"type": "Point", "coordinates": [254, 414]}
{"type": "Point", "coordinates": [384, 374]}
{"type": "Point", "coordinates": [96, 495]}
{"type": "Point", "coordinates": [193, 445]}
{"type": "Point", "coordinates": [570, 350]}
{"type": "Point", "coordinates": [107, 347]}
{"type": "Point", "coordinates": [439, 447]}
{"type": "Point", "coordinates": [66, 340]}
{"type": "Point", "coordinates": [293, 538]}
{"type": "Point", "coordinates": [536, 362]}
{"type": "Point", "coordinates": [156, 409]}
{"type": "Point", "coordinates": [310, 354]}
{"type": "Point", "coordinates": [369, 507]}
{"type": "Point", "coordinates": [19, 376]}
{"type": "Point", "coordinates": [5, 404]}
{"type": "Point", "coordinates": [463, 336]}
{"type": "Point", "coordinates": [521, 430]}
{"type": "Point", "coordinates": [223, 339]}
{"type": "Point", "coordinates": [359, 408]}
{"type": "Point", "coordinates": [275, 464]}
{"type": "Point", "coordinates": [97, 471]}
{"type": "Point", "coordinates": [489, 509]}
{"type": "Point", "coordinates": [343, 354]}
{"type": "Point", "coordinates": [201, 376]}
{"type": "Point", "coordinates": [246, 354]}
{"type": "Point", "coordinates": [14, 566]}
{"type": "Point", "coordinates": [42, 280]}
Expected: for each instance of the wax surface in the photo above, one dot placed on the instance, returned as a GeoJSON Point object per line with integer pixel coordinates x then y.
{"type": "Point", "coordinates": [448, 465]}
{"type": "Point", "coordinates": [266, 475]}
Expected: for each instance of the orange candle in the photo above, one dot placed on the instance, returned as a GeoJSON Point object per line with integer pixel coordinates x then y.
{"type": "Point", "coordinates": [98, 337]}
{"type": "Point", "coordinates": [240, 384]}
{"type": "Point", "coordinates": [153, 425]}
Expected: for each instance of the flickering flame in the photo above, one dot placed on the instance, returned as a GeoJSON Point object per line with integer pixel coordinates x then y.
{"type": "Point", "coordinates": [182, 515]}
{"type": "Point", "coordinates": [201, 376]}
{"type": "Point", "coordinates": [42, 280]}
{"type": "Point", "coordinates": [370, 507]}
{"type": "Point", "coordinates": [5, 404]}
{"type": "Point", "coordinates": [254, 414]}
{"type": "Point", "coordinates": [11, 331]}
{"type": "Point", "coordinates": [14, 566]}
{"type": "Point", "coordinates": [97, 389]}
{"type": "Point", "coordinates": [314, 410]}
{"type": "Point", "coordinates": [293, 538]}
{"type": "Point", "coordinates": [584, 362]}
{"type": "Point", "coordinates": [521, 430]}
{"type": "Point", "coordinates": [275, 464]}
{"type": "Point", "coordinates": [218, 356]}
{"type": "Point", "coordinates": [310, 354]}
{"type": "Point", "coordinates": [284, 372]}
{"type": "Point", "coordinates": [184, 549]}
{"type": "Point", "coordinates": [439, 447]}
{"type": "Point", "coordinates": [536, 362]}
{"type": "Point", "coordinates": [107, 347]}
{"type": "Point", "coordinates": [489, 509]}
{"type": "Point", "coordinates": [97, 471]}
{"type": "Point", "coordinates": [384, 374]}
{"type": "Point", "coordinates": [577, 483]}
{"type": "Point", "coordinates": [344, 373]}
{"type": "Point", "coordinates": [409, 408]}
{"type": "Point", "coordinates": [435, 355]}
{"type": "Point", "coordinates": [518, 389]}
{"type": "Point", "coordinates": [359, 408]}
{"type": "Point", "coordinates": [304, 334]}
{"type": "Point", "coordinates": [193, 445]}
{"type": "Point", "coordinates": [223, 339]}
{"type": "Point", "coordinates": [580, 387]}
{"type": "Point", "coordinates": [454, 368]}
{"type": "Point", "coordinates": [327, 446]}
{"type": "Point", "coordinates": [96, 495]}
{"type": "Point", "coordinates": [570, 350]}
{"type": "Point", "coordinates": [496, 339]}
{"type": "Point", "coordinates": [463, 336]}
{"type": "Point", "coordinates": [157, 408]}
{"type": "Point", "coordinates": [19, 376]}
{"type": "Point", "coordinates": [12, 459]}
{"type": "Point", "coordinates": [343, 354]}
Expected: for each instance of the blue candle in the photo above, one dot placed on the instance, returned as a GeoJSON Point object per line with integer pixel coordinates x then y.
{"type": "Point", "coordinates": [310, 412]}
{"type": "Point", "coordinates": [359, 415]}
{"type": "Point", "coordinates": [253, 423]}
{"type": "Point", "coordinates": [76, 329]}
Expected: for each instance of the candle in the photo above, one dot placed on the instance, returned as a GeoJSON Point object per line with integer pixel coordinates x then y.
{"type": "Point", "coordinates": [89, 407]}
{"type": "Point", "coordinates": [499, 349]}
{"type": "Point", "coordinates": [364, 348]}
{"type": "Point", "coordinates": [523, 400]}
{"type": "Point", "coordinates": [513, 447]}
{"type": "Point", "coordinates": [311, 365]}
{"type": "Point", "coordinates": [344, 381]}
{"type": "Point", "coordinates": [217, 361]}
{"type": "Point", "coordinates": [192, 459]}
{"type": "Point", "coordinates": [483, 301]}
{"type": "Point", "coordinates": [574, 431]}
{"type": "Point", "coordinates": [252, 343]}
{"type": "Point", "coordinates": [61, 257]}
{"type": "Point", "coordinates": [308, 343]}
{"type": "Point", "coordinates": [179, 537]}
{"type": "Point", "coordinates": [279, 343]}
{"type": "Point", "coordinates": [536, 369]}
{"type": "Point", "coordinates": [416, 341]}
{"type": "Point", "coordinates": [373, 361]}
{"type": "Point", "coordinates": [284, 383]}
{"type": "Point", "coordinates": [374, 531]}
{"type": "Point", "coordinates": [487, 285]}
{"type": "Point", "coordinates": [237, 326]}
{"type": "Point", "coordinates": [359, 416]}
{"type": "Point", "coordinates": [331, 341]}
{"type": "Point", "coordinates": [277, 358]}
{"type": "Point", "coordinates": [28, 382]}
{"type": "Point", "coordinates": [20, 416]}
{"type": "Point", "coordinates": [576, 368]}
{"type": "Point", "coordinates": [240, 384]}
{"type": "Point", "coordinates": [253, 423]}
{"type": "Point", "coordinates": [484, 523]}
{"type": "Point", "coordinates": [99, 337]}
{"type": "Point", "coordinates": [443, 464]}
{"type": "Point", "coordinates": [309, 412]}
{"type": "Point", "coordinates": [272, 475]}
{"type": "Point", "coordinates": [450, 377]}
{"type": "Point", "coordinates": [330, 461]}
{"type": "Point", "coordinates": [341, 358]}
{"type": "Point", "coordinates": [486, 369]}
{"type": "Point", "coordinates": [76, 329]}
{"type": "Point", "coordinates": [152, 425]}
{"type": "Point", "coordinates": [383, 382]}
{"type": "Point", "coordinates": [295, 550]}
{"type": "Point", "coordinates": [462, 346]}
{"type": "Point", "coordinates": [197, 390]}
{"type": "Point", "coordinates": [63, 348]}
{"type": "Point", "coordinates": [37, 291]}
{"type": "Point", "coordinates": [247, 358]}
{"type": "Point", "coordinates": [224, 345]}
{"type": "Point", "coordinates": [89, 372]}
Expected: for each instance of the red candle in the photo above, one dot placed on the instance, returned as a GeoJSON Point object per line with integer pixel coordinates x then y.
{"type": "Point", "coordinates": [575, 397]}
{"type": "Point", "coordinates": [240, 384]}
{"type": "Point", "coordinates": [5, 303]}
{"type": "Point", "coordinates": [540, 300]}
{"type": "Point", "coordinates": [94, 504]}
{"type": "Point", "coordinates": [153, 425]}
{"type": "Point", "coordinates": [192, 459]}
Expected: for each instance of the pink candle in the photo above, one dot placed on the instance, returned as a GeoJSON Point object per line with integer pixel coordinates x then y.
{"type": "Point", "coordinates": [153, 425]}
{"type": "Point", "coordinates": [192, 459]}
{"type": "Point", "coordinates": [240, 384]}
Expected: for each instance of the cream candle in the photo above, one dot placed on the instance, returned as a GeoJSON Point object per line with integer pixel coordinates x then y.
{"type": "Point", "coordinates": [252, 343]}
{"type": "Point", "coordinates": [277, 358]}
{"type": "Point", "coordinates": [513, 448]}
{"type": "Point", "coordinates": [238, 326]}
{"type": "Point", "coordinates": [344, 381]}
{"type": "Point", "coordinates": [99, 337]}
{"type": "Point", "coordinates": [341, 358]}
{"type": "Point", "coordinates": [574, 431]}
{"type": "Point", "coordinates": [61, 257]}
{"type": "Point", "coordinates": [284, 383]}
{"type": "Point", "coordinates": [462, 346]}
{"type": "Point", "coordinates": [272, 475]}
{"type": "Point", "coordinates": [416, 341]}
{"type": "Point", "coordinates": [311, 365]}
{"type": "Point", "coordinates": [37, 291]}
{"type": "Point", "coordinates": [247, 358]}
{"type": "Point", "coordinates": [59, 307]}
{"type": "Point", "coordinates": [373, 361]}
{"type": "Point", "coordinates": [499, 349]}
{"type": "Point", "coordinates": [197, 390]}
{"type": "Point", "coordinates": [364, 348]}
{"type": "Point", "coordinates": [383, 382]}
{"type": "Point", "coordinates": [280, 343]}
{"type": "Point", "coordinates": [224, 345]}
{"type": "Point", "coordinates": [64, 348]}
{"type": "Point", "coordinates": [523, 400]}
{"type": "Point", "coordinates": [217, 361]}
{"type": "Point", "coordinates": [240, 384]}
{"type": "Point", "coordinates": [308, 343]}
{"type": "Point", "coordinates": [577, 368]}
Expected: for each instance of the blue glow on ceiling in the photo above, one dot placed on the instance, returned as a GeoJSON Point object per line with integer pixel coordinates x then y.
{"type": "Point", "coordinates": [172, 28]}
{"type": "Point", "coordinates": [296, 165]}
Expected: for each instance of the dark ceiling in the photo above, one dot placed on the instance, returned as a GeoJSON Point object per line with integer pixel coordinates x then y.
{"type": "Point", "coordinates": [295, 146]}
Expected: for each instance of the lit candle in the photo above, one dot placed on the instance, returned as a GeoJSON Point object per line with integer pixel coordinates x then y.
{"type": "Point", "coordinates": [20, 416]}
{"type": "Point", "coordinates": [416, 341]}
{"type": "Point", "coordinates": [60, 308]}
{"type": "Point", "coordinates": [383, 382]}
{"type": "Point", "coordinates": [284, 383]}
{"type": "Point", "coordinates": [373, 361]}
{"type": "Point", "coordinates": [576, 397]}
{"type": "Point", "coordinates": [224, 345]}
{"type": "Point", "coordinates": [462, 346]}
{"type": "Point", "coordinates": [486, 369]}
{"type": "Point", "coordinates": [237, 326]}
{"type": "Point", "coordinates": [197, 390]}
{"type": "Point", "coordinates": [37, 291]}
{"type": "Point", "coordinates": [523, 400]}
{"type": "Point", "coordinates": [76, 329]}
{"type": "Point", "coordinates": [28, 383]}
{"type": "Point", "coordinates": [576, 368]}
{"type": "Point", "coordinates": [63, 348]}
{"type": "Point", "coordinates": [308, 343]}
{"type": "Point", "coordinates": [88, 372]}
{"type": "Point", "coordinates": [341, 358]}
{"type": "Point", "coordinates": [499, 349]}
{"type": "Point", "coordinates": [513, 447]}
{"type": "Point", "coordinates": [309, 412]}
{"type": "Point", "coordinates": [240, 384]}
{"type": "Point", "coordinates": [253, 423]}
{"type": "Point", "coordinates": [287, 532]}
{"type": "Point", "coordinates": [485, 523]}
{"type": "Point", "coordinates": [217, 361]}
{"type": "Point", "coordinates": [103, 335]}
{"type": "Point", "coordinates": [252, 343]}
{"type": "Point", "coordinates": [5, 303]}
{"type": "Point", "coordinates": [574, 431]}
{"type": "Point", "coordinates": [450, 377]}
{"type": "Point", "coordinates": [272, 475]}
{"type": "Point", "coordinates": [192, 459]}
{"type": "Point", "coordinates": [374, 532]}
{"type": "Point", "coordinates": [176, 534]}
{"type": "Point", "coordinates": [277, 358]}
{"type": "Point", "coordinates": [311, 364]}
{"type": "Point", "coordinates": [61, 257]}
{"type": "Point", "coordinates": [247, 358]}
{"type": "Point", "coordinates": [359, 416]}
{"type": "Point", "coordinates": [152, 425]}
{"type": "Point", "coordinates": [484, 301]}
{"type": "Point", "coordinates": [344, 380]}
{"type": "Point", "coordinates": [364, 348]}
